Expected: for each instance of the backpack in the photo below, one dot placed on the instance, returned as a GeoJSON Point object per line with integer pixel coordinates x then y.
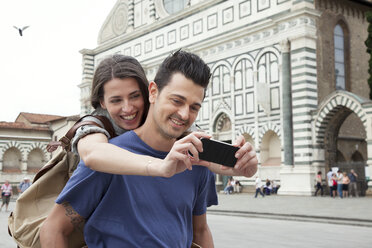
{"type": "Point", "coordinates": [33, 206]}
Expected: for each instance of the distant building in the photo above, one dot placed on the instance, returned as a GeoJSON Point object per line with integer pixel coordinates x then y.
{"type": "Point", "coordinates": [289, 75]}
{"type": "Point", "coordinates": [23, 143]}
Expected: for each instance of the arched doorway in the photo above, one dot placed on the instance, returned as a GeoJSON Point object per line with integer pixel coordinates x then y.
{"type": "Point", "coordinates": [351, 141]}
{"type": "Point", "coordinates": [35, 160]}
{"type": "Point", "coordinates": [248, 138]}
{"type": "Point", "coordinates": [222, 132]}
{"type": "Point", "coordinates": [341, 131]}
{"type": "Point", "coordinates": [12, 160]}
{"type": "Point", "coordinates": [270, 149]}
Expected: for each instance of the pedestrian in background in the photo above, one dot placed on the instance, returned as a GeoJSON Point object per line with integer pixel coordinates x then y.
{"type": "Point", "coordinates": [24, 185]}
{"type": "Point", "coordinates": [340, 176]}
{"type": "Point", "coordinates": [229, 187]}
{"type": "Point", "coordinates": [319, 184]}
{"type": "Point", "coordinates": [258, 187]}
{"type": "Point", "coordinates": [353, 189]}
{"type": "Point", "coordinates": [330, 182]}
{"type": "Point", "coordinates": [6, 193]}
{"type": "Point", "coordinates": [345, 185]}
{"type": "Point", "coordinates": [275, 187]}
{"type": "Point", "coordinates": [334, 185]}
{"type": "Point", "coordinates": [237, 186]}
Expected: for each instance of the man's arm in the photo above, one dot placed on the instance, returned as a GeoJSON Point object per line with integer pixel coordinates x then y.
{"type": "Point", "coordinates": [59, 225]}
{"type": "Point", "coordinates": [202, 233]}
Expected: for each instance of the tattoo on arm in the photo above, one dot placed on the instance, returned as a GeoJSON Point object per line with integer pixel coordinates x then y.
{"type": "Point", "coordinates": [76, 220]}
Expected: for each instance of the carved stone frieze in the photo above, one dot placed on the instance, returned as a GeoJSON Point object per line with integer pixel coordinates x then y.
{"type": "Point", "coordinates": [116, 23]}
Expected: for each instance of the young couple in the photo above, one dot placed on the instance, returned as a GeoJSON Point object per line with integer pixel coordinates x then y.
{"type": "Point", "coordinates": [147, 194]}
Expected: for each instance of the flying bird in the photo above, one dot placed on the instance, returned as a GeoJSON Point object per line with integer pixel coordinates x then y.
{"type": "Point", "coordinates": [20, 30]}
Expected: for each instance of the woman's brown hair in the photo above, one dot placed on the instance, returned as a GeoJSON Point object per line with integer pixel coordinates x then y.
{"type": "Point", "coordinates": [119, 66]}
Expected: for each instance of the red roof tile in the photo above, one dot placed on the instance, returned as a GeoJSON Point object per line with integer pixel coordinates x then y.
{"type": "Point", "coordinates": [39, 118]}
{"type": "Point", "coordinates": [20, 125]}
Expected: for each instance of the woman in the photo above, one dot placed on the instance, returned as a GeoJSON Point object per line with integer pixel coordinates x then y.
{"type": "Point", "coordinates": [319, 184]}
{"type": "Point", "coordinates": [345, 185]}
{"type": "Point", "coordinates": [334, 185]}
{"type": "Point", "coordinates": [6, 193]}
{"type": "Point", "coordinates": [119, 92]}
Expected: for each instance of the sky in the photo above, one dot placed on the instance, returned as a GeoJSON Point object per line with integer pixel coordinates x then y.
{"type": "Point", "coordinates": [40, 71]}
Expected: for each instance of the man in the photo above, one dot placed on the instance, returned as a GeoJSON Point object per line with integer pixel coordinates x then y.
{"type": "Point", "coordinates": [138, 211]}
{"type": "Point", "coordinates": [330, 181]}
{"type": "Point", "coordinates": [258, 187]}
{"type": "Point", "coordinates": [339, 183]}
{"type": "Point", "coordinates": [353, 176]}
{"type": "Point", "coordinates": [25, 184]}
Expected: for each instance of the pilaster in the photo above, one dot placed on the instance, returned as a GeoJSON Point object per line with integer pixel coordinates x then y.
{"type": "Point", "coordinates": [287, 104]}
{"type": "Point", "coordinates": [86, 82]}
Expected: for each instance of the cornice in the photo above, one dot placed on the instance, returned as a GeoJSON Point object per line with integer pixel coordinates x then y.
{"type": "Point", "coordinates": [126, 37]}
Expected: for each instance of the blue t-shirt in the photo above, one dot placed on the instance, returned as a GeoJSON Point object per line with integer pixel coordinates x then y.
{"type": "Point", "coordinates": [352, 177]}
{"type": "Point", "coordinates": [139, 211]}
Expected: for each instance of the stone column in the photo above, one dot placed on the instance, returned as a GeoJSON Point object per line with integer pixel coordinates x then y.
{"type": "Point", "coordinates": [299, 178]}
{"type": "Point", "coordinates": [130, 16]}
{"type": "Point", "coordinates": [86, 82]}
{"type": "Point", "coordinates": [287, 104]}
{"type": "Point", "coordinates": [152, 12]}
{"type": "Point", "coordinates": [24, 166]}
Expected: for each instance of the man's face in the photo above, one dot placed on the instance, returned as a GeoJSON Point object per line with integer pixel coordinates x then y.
{"type": "Point", "coordinates": [176, 106]}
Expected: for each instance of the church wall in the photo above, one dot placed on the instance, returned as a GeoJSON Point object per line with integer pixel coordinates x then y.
{"type": "Point", "coordinates": [230, 35]}
{"type": "Point", "coordinates": [353, 15]}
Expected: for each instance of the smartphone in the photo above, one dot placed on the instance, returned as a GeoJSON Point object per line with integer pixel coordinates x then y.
{"type": "Point", "coordinates": [218, 152]}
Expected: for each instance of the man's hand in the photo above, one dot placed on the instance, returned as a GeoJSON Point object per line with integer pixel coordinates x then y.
{"type": "Point", "coordinates": [246, 164]}
{"type": "Point", "coordinates": [179, 159]}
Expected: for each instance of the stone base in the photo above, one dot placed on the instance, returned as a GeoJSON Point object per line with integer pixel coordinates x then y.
{"type": "Point", "coordinates": [369, 189]}
{"type": "Point", "coordinates": [296, 180]}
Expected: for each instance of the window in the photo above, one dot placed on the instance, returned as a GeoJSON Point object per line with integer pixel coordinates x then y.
{"type": "Point", "coordinates": [339, 44]}
{"type": "Point", "coordinates": [268, 80]}
{"type": "Point", "coordinates": [268, 71]}
{"type": "Point", "coordinates": [221, 77]}
{"type": "Point", "coordinates": [243, 74]}
{"type": "Point", "coordinates": [174, 6]}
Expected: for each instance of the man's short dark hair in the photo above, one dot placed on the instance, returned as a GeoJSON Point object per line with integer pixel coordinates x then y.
{"type": "Point", "coordinates": [188, 64]}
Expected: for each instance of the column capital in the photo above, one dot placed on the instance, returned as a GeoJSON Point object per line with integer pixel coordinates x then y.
{"type": "Point", "coordinates": [285, 46]}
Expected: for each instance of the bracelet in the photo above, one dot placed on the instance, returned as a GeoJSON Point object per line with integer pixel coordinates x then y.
{"type": "Point", "coordinates": [147, 167]}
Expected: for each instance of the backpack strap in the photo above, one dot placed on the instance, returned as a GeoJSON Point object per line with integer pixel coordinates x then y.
{"type": "Point", "coordinates": [65, 141]}
{"type": "Point", "coordinates": [107, 125]}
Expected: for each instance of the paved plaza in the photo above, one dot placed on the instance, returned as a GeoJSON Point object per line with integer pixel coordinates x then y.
{"type": "Point", "coordinates": [314, 213]}
{"type": "Point", "coordinates": [308, 208]}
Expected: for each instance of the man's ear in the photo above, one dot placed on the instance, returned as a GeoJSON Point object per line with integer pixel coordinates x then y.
{"type": "Point", "coordinates": [153, 91]}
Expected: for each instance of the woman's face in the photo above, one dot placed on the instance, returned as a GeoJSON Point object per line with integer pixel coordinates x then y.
{"type": "Point", "coordinates": [124, 101]}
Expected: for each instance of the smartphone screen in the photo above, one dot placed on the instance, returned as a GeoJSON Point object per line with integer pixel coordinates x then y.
{"type": "Point", "coordinates": [218, 152]}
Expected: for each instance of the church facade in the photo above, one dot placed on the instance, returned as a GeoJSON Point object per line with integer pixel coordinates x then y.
{"type": "Point", "coordinates": [289, 75]}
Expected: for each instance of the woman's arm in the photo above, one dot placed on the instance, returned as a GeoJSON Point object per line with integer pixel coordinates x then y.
{"type": "Point", "coordinates": [99, 155]}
